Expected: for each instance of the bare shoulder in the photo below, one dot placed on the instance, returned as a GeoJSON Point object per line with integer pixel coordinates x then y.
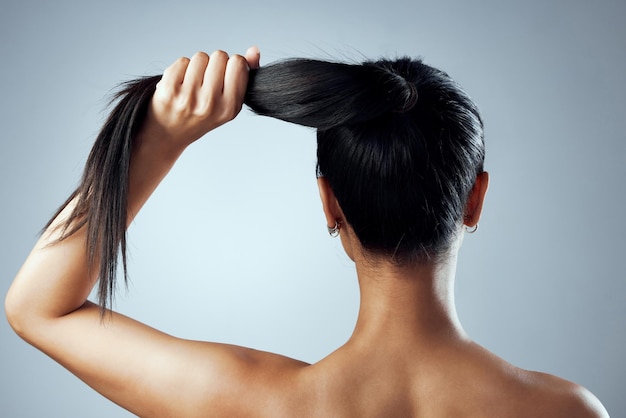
{"type": "Point", "coordinates": [517, 392]}
{"type": "Point", "coordinates": [559, 397]}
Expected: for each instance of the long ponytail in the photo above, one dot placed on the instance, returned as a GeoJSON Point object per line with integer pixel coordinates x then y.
{"type": "Point", "coordinates": [325, 95]}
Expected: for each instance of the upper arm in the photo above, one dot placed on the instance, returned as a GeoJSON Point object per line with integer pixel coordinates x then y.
{"type": "Point", "coordinates": [151, 373]}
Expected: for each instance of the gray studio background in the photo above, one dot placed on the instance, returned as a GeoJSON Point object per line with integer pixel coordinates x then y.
{"type": "Point", "coordinates": [232, 247]}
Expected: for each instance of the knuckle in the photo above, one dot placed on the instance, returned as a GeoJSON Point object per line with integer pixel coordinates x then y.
{"type": "Point", "coordinates": [238, 60]}
{"type": "Point", "coordinates": [203, 109]}
{"type": "Point", "coordinates": [234, 112]}
{"type": "Point", "coordinates": [231, 111]}
{"type": "Point", "coordinates": [163, 92]}
{"type": "Point", "coordinates": [183, 60]}
{"type": "Point", "coordinates": [183, 103]}
{"type": "Point", "coordinates": [219, 54]}
{"type": "Point", "coordinates": [176, 66]}
{"type": "Point", "coordinates": [201, 55]}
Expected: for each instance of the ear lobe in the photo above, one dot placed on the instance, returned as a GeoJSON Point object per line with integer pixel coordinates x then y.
{"type": "Point", "coordinates": [476, 199]}
{"type": "Point", "coordinates": [332, 212]}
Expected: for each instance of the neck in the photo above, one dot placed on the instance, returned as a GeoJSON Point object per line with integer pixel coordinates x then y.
{"type": "Point", "coordinates": [404, 305]}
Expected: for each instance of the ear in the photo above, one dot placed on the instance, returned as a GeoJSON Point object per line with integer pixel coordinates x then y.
{"type": "Point", "coordinates": [332, 211]}
{"type": "Point", "coordinates": [475, 201]}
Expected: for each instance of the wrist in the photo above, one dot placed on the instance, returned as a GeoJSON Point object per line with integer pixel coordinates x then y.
{"type": "Point", "coordinates": [152, 158]}
{"type": "Point", "coordinates": [156, 146]}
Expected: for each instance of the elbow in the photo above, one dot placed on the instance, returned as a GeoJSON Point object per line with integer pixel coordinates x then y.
{"type": "Point", "coordinates": [17, 313]}
{"type": "Point", "coordinates": [11, 311]}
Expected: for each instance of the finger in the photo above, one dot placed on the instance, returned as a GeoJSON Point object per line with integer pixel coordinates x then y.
{"type": "Point", "coordinates": [236, 81]}
{"type": "Point", "coordinates": [194, 75]}
{"type": "Point", "coordinates": [214, 74]}
{"type": "Point", "coordinates": [175, 73]}
{"type": "Point", "coordinates": [253, 57]}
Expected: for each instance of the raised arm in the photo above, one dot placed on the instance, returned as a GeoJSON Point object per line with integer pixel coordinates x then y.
{"type": "Point", "coordinates": [193, 97]}
{"type": "Point", "coordinates": [141, 369]}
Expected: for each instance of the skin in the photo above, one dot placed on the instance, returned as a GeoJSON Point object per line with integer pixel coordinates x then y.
{"type": "Point", "coordinates": [408, 355]}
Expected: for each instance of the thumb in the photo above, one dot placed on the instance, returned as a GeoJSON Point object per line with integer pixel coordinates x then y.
{"type": "Point", "coordinates": [253, 56]}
